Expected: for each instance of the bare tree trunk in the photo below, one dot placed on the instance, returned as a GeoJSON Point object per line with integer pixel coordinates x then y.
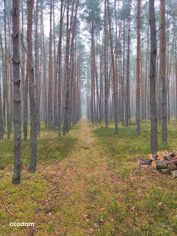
{"type": "Point", "coordinates": [138, 80]}
{"type": "Point", "coordinates": [115, 90]}
{"type": "Point", "coordinates": [1, 97]}
{"type": "Point", "coordinates": [67, 77]}
{"type": "Point", "coordinates": [37, 71]}
{"type": "Point", "coordinates": [8, 78]}
{"type": "Point", "coordinates": [60, 69]}
{"type": "Point", "coordinates": [176, 80]}
{"type": "Point", "coordinates": [25, 106]}
{"type": "Point", "coordinates": [55, 71]}
{"type": "Point", "coordinates": [17, 95]}
{"type": "Point", "coordinates": [30, 72]}
{"type": "Point", "coordinates": [72, 62]}
{"type": "Point", "coordinates": [71, 20]}
{"type": "Point", "coordinates": [5, 77]}
{"type": "Point", "coordinates": [92, 73]}
{"type": "Point", "coordinates": [24, 79]}
{"type": "Point", "coordinates": [147, 79]}
{"type": "Point", "coordinates": [1, 115]}
{"type": "Point", "coordinates": [163, 70]}
{"type": "Point", "coordinates": [50, 90]}
{"type": "Point", "coordinates": [43, 52]}
{"type": "Point", "coordinates": [153, 78]}
{"type": "Point", "coordinates": [101, 85]}
{"type": "Point", "coordinates": [127, 99]}
{"type": "Point", "coordinates": [106, 86]}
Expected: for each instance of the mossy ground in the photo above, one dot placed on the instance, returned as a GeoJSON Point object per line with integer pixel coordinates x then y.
{"type": "Point", "coordinates": [88, 183]}
{"type": "Point", "coordinates": [20, 203]}
{"type": "Point", "coordinates": [146, 201]}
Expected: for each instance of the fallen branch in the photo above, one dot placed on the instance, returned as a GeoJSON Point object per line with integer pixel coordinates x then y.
{"type": "Point", "coordinates": [8, 210]}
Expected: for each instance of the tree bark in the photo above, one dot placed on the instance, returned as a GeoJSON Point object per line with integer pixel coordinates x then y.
{"type": "Point", "coordinates": [37, 69]}
{"type": "Point", "coordinates": [127, 98]}
{"type": "Point", "coordinates": [106, 87]}
{"type": "Point", "coordinates": [60, 69]}
{"type": "Point", "coordinates": [138, 80]}
{"type": "Point", "coordinates": [153, 77]}
{"type": "Point", "coordinates": [1, 115]}
{"type": "Point", "coordinates": [17, 95]}
{"type": "Point", "coordinates": [24, 79]}
{"type": "Point", "coordinates": [50, 90]}
{"type": "Point", "coordinates": [163, 70]}
{"type": "Point", "coordinates": [115, 89]}
{"type": "Point", "coordinates": [43, 52]}
{"type": "Point", "coordinates": [30, 72]}
{"type": "Point", "coordinates": [1, 95]}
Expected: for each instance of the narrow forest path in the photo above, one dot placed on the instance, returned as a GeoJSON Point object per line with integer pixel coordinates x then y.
{"type": "Point", "coordinates": [79, 190]}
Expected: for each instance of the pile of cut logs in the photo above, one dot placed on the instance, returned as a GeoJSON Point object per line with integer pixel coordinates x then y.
{"type": "Point", "coordinates": [165, 162]}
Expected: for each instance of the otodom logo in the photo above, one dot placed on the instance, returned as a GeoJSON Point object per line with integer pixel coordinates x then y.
{"type": "Point", "coordinates": [21, 224]}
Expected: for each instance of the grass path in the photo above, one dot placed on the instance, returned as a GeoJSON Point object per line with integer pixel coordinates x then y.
{"type": "Point", "coordinates": [80, 189]}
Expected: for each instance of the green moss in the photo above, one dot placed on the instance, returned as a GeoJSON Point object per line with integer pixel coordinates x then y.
{"type": "Point", "coordinates": [50, 229]}
{"type": "Point", "coordinates": [50, 148]}
{"type": "Point", "coordinates": [20, 203]}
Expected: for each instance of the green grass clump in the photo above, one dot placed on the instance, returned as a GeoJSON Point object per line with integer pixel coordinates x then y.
{"type": "Point", "coordinates": [50, 148]}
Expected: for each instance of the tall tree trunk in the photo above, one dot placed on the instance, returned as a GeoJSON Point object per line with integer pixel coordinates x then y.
{"type": "Point", "coordinates": [24, 79]}
{"type": "Point", "coordinates": [8, 49]}
{"type": "Point", "coordinates": [153, 77]}
{"type": "Point", "coordinates": [25, 106]}
{"type": "Point", "coordinates": [72, 61]}
{"type": "Point", "coordinates": [30, 72]}
{"type": "Point", "coordinates": [50, 110]}
{"type": "Point", "coordinates": [92, 74]}
{"type": "Point", "coordinates": [43, 52]}
{"type": "Point", "coordinates": [115, 90]}
{"type": "Point", "coordinates": [1, 97]}
{"type": "Point", "coordinates": [55, 71]}
{"type": "Point", "coordinates": [1, 115]}
{"type": "Point", "coordinates": [127, 98]}
{"type": "Point", "coordinates": [60, 68]}
{"type": "Point", "coordinates": [37, 69]}
{"type": "Point", "coordinates": [5, 77]}
{"type": "Point", "coordinates": [163, 70]}
{"type": "Point", "coordinates": [176, 79]}
{"type": "Point", "coordinates": [67, 74]}
{"type": "Point", "coordinates": [138, 80]}
{"type": "Point", "coordinates": [106, 86]}
{"type": "Point", "coordinates": [17, 95]}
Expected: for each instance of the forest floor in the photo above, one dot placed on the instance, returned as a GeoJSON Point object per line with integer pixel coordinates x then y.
{"type": "Point", "coordinates": [88, 183]}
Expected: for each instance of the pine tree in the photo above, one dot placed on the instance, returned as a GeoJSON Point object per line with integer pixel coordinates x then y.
{"type": "Point", "coordinates": [17, 94]}
{"type": "Point", "coordinates": [153, 77]}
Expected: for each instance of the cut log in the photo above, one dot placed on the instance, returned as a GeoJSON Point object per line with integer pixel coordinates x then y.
{"type": "Point", "coordinates": [165, 171]}
{"type": "Point", "coordinates": [161, 156]}
{"type": "Point", "coordinates": [172, 166]}
{"type": "Point", "coordinates": [174, 174]}
{"type": "Point", "coordinates": [172, 154]}
{"type": "Point", "coordinates": [153, 157]}
{"type": "Point", "coordinates": [172, 161]}
{"type": "Point", "coordinates": [144, 162]}
{"type": "Point", "coordinates": [159, 164]}
{"type": "Point", "coordinates": [167, 156]}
